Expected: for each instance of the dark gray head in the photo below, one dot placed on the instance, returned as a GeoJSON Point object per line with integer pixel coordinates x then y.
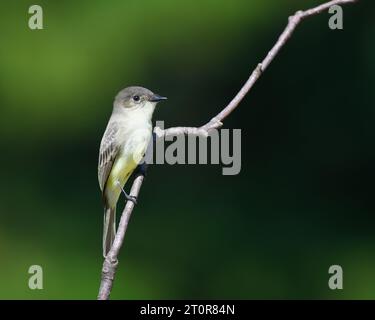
{"type": "Point", "coordinates": [136, 97]}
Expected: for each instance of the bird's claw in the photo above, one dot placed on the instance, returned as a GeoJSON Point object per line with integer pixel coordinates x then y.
{"type": "Point", "coordinates": [127, 196]}
{"type": "Point", "coordinates": [132, 199]}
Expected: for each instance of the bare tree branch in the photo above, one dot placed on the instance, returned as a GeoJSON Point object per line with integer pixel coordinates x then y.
{"type": "Point", "coordinates": [111, 262]}
{"type": "Point", "coordinates": [216, 122]}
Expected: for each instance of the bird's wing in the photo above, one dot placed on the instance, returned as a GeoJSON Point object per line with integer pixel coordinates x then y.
{"type": "Point", "coordinates": [108, 152]}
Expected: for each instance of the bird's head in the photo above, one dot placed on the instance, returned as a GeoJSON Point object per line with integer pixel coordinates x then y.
{"type": "Point", "coordinates": [136, 97]}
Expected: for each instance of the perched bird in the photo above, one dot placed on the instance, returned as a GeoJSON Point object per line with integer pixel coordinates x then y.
{"type": "Point", "coordinates": [123, 146]}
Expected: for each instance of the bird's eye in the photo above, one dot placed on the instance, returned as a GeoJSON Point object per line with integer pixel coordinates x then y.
{"type": "Point", "coordinates": [136, 98]}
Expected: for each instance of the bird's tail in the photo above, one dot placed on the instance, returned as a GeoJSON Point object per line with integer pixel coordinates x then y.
{"type": "Point", "coordinates": [109, 230]}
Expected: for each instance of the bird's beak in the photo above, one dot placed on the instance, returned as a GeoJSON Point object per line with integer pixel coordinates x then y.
{"type": "Point", "coordinates": [156, 98]}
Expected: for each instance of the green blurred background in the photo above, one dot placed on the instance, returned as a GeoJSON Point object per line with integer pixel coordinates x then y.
{"type": "Point", "coordinates": [303, 201]}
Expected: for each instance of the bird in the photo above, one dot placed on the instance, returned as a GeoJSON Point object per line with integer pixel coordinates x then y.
{"type": "Point", "coordinates": [123, 145]}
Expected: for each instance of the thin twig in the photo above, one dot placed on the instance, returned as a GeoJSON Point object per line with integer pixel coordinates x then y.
{"type": "Point", "coordinates": [216, 122]}
{"type": "Point", "coordinates": [111, 262]}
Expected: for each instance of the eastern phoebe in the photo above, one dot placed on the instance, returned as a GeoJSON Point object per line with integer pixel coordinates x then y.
{"type": "Point", "coordinates": [123, 146]}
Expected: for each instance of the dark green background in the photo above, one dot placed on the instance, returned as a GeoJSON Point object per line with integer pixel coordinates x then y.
{"type": "Point", "coordinates": [304, 199]}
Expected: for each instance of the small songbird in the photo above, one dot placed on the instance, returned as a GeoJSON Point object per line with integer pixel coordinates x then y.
{"type": "Point", "coordinates": [123, 146]}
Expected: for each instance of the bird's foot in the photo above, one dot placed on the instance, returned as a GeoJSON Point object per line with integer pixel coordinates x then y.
{"type": "Point", "coordinates": [131, 198]}
{"type": "Point", "coordinates": [127, 196]}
